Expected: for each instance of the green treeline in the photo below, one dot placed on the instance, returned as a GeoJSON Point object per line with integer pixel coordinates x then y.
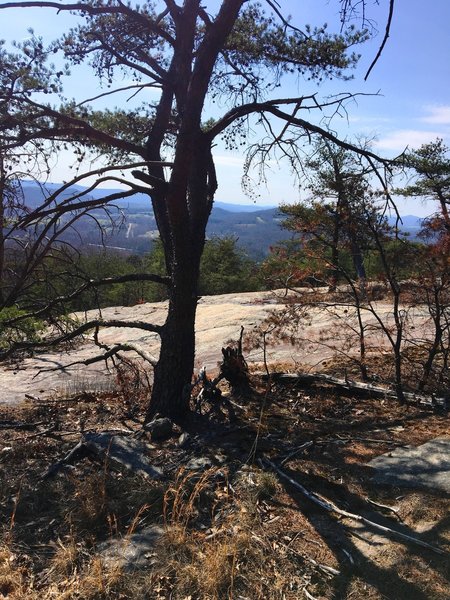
{"type": "Point", "coordinates": [225, 268]}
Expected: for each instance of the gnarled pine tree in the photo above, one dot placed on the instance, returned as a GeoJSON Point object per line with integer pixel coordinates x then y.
{"type": "Point", "coordinates": [191, 53]}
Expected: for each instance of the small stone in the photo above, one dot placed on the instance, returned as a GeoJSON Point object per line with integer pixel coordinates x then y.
{"type": "Point", "coordinates": [199, 464]}
{"type": "Point", "coordinates": [160, 428]}
{"type": "Point", "coordinates": [184, 440]}
{"type": "Point", "coordinates": [133, 552]}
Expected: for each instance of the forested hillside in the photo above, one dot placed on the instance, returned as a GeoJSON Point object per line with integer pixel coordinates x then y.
{"type": "Point", "coordinates": [130, 223]}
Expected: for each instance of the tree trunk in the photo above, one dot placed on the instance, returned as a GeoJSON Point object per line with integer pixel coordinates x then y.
{"type": "Point", "coordinates": [183, 251]}
{"type": "Point", "coordinates": [334, 279]}
{"type": "Point", "coordinates": [2, 227]}
{"type": "Point", "coordinates": [435, 310]}
{"type": "Point", "coordinates": [173, 372]}
{"type": "Point", "coordinates": [358, 261]}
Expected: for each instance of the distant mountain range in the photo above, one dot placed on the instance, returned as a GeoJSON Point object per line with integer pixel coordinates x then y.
{"type": "Point", "coordinates": [255, 228]}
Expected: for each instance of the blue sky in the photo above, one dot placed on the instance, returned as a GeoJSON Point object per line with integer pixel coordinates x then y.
{"type": "Point", "coordinates": [412, 77]}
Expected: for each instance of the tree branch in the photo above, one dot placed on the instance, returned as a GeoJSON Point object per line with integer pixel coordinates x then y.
{"type": "Point", "coordinates": [92, 283]}
{"type": "Point", "coordinates": [109, 353]}
{"type": "Point", "coordinates": [385, 39]}
{"type": "Point", "coordinates": [96, 10]}
{"type": "Point", "coordinates": [259, 107]}
{"type": "Point", "coordinates": [83, 128]}
{"type": "Point", "coordinates": [69, 336]}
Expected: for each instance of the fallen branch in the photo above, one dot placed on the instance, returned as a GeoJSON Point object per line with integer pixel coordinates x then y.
{"type": "Point", "coordinates": [297, 451]}
{"type": "Point", "coordinates": [78, 452]}
{"type": "Point", "coordinates": [47, 431]}
{"type": "Point", "coordinates": [20, 425]}
{"type": "Point", "coordinates": [384, 507]}
{"type": "Point", "coordinates": [324, 568]}
{"type": "Point", "coordinates": [365, 389]}
{"type": "Point", "coordinates": [332, 508]}
{"type": "Point", "coordinates": [308, 595]}
{"type": "Point", "coordinates": [346, 440]}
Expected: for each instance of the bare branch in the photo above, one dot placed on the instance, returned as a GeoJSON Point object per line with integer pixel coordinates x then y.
{"type": "Point", "coordinates": [117, 90]}
{"type": "Point", "coordinates": [385, 39]}
{"type": "Point", "coordinates": [92, 283]}
{"type": "Point", "coordinates": [276, 9]}
{"type": "Point", "coordinates": [96, 10]}
{"type": "Point", "coordinates": [70, 206]}
{"type": "Point", "coordinates": [66, 186]}
{"type": "Point", "coordinates": [82, 329]}
{"type": "Point", "coordinates": [312, 128]}
{"type": "Point", "coordinates": [109, 353]}
{"type": "Point", "coordinates": [259, 107]}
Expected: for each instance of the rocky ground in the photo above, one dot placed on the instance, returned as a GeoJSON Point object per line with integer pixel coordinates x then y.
{"type": "Point", "coordinates": [311, 492]}
{"type": "Point", "coordinates": [322, 335]}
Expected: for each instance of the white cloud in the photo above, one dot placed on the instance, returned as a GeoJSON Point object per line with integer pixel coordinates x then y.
{"type": "Point", "coordinates": [411, 138]}
{"type": "Point", "coordinates": [369, 121]}
{"type": "Point", "coordinates": [439, 115]}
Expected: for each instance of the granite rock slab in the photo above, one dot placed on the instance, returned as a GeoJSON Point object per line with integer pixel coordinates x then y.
{"type": "Point", "coordinates": [426, 466]}
{"type": "Point", "coordinates": [127, 451]}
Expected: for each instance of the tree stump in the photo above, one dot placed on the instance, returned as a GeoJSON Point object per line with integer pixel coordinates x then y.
{"type": "Point", "coordinates": [234, 367]}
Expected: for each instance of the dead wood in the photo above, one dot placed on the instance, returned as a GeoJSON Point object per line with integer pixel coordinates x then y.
{"type": "Point", "coordinates": [297, 451]}
{"type": "Point", "coordinates": [332, 508]}
{"type": "Point", "coordinates": [47, 431]}
{"type": "Point", "coordinates": [234, 367]}
{"type": "Point", "coordinates": [78, 452]}
{"type": "Point", "coordinates": [359, 388]}
{"type": "Point", "coordinates": [384, 507]}
{"type": "Point", "coordinates": [213, 395]}
{"type": "Point", "coordinates": [20, 425]}
{"type": "Point", "coordinates": [330, 571]}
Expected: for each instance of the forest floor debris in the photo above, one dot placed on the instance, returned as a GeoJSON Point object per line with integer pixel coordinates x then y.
{"type": "Point", "coordinates": [227, 526]}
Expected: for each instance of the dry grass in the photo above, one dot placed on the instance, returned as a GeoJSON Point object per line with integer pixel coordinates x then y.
{"type": "Point", "coordinates": [223, 558]}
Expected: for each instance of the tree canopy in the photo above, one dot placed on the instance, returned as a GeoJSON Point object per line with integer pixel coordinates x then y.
{"type": "Point", "coordinates": [430, 165]}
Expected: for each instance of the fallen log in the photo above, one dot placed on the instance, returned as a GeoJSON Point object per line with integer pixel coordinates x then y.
{"type": "Point", "coordinates": [20, 425]}
{"type": "Point", "coordinates": [357, 387]}
{"type": "Point", "coordinates": [78, 452]}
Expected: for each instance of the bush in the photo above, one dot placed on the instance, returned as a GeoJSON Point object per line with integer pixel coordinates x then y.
{"type": "Point", "coordinates": [14, 330]}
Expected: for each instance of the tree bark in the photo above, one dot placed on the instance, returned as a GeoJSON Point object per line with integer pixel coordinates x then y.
{"type": "Point", "coordinates": [183, 251]}
{"type": "Point", "coordinates": [173, 372]}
